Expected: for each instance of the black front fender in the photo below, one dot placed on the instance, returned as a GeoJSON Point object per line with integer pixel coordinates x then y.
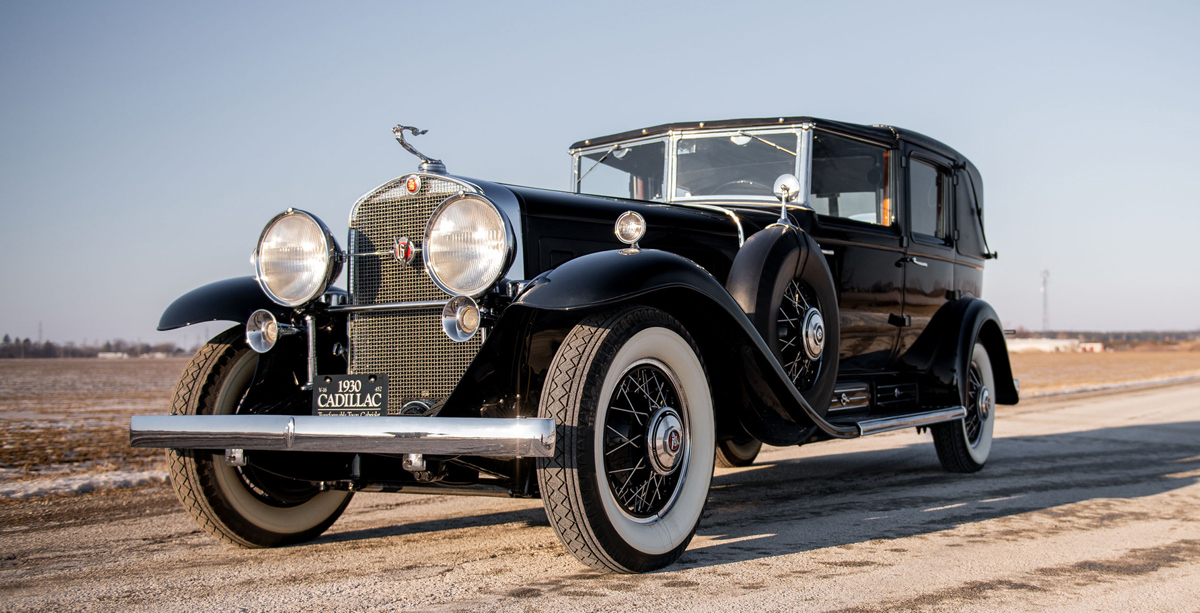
{"type": "Point", "coordinates": [742, 368]}
{"type": "Point", "coordinates": [228, 300]}
{"type": "Point", "coordinates": [611, 277]}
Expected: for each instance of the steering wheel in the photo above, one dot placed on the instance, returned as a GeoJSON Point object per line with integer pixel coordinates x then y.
{"type": "Point", "coordinates": [743, 187]}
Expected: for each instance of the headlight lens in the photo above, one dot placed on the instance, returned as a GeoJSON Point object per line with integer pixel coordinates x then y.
{"type": "Point", "coordinates": [468, 245]}
{"type": "Point", "coordinates": [296, 258]}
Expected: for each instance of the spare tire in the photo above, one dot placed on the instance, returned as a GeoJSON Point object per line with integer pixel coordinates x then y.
{"type": "Point", "coordinates": [781, 280]}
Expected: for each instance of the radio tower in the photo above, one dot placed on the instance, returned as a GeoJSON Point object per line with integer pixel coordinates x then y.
{"type": "Point", "coordinates": [1045, 302]}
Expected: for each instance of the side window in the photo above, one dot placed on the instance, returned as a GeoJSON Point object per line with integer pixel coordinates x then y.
{"type": "Point", "coordinates": [970, 232]}
{"type": "Point", "coordinates": [927, 199]}
{"type": "Point", "coordinates": [850, 180]}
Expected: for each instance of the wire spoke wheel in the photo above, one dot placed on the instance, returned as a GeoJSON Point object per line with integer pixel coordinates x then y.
{"type": "Point", "coordinates": [242, 505]}
{"type": "Point", "coordinates": [800, 329]}
{"type": "Point", "coordinates": [973, 422]}
{"type": "Point", "coordinates": [645, 442]}
{"type": "Point", "coordinates": [964, 445]}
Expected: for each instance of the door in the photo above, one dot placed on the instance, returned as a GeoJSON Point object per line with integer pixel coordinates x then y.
{"type": "Point", "coordinates": [853, 182]}
{"type": "Point", "coordinates": [929, 258]}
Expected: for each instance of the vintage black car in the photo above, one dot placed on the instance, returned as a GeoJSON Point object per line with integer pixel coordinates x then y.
{"type": "Point", "coordinates": [704, 288]}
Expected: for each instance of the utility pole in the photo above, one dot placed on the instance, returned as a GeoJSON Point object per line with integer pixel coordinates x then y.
{"type": "Point", "coordinates": [1045, 301]}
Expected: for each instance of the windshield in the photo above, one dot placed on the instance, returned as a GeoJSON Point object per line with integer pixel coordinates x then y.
{"type": "Point", "coordinates": [624, 171]}
{"type": "Point", "coordinates": [742, 164]}
{"type": "Point", "coordinates": [738, 164]}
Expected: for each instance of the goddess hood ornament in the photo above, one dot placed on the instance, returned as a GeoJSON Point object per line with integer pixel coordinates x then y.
{"type": "Point", "coordinates": [428, 164]}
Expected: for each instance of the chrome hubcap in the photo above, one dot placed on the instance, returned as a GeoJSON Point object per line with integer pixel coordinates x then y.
{"type": "Point", "coordinates": [666, 440]}
{"type": "Point", "coordinates": [814, 334]}
{"type": "Point", "coordinates": [985, 402]}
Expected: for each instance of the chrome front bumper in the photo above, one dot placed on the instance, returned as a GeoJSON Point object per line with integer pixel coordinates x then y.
{"type": "Point", "coordinates": [520, 437]}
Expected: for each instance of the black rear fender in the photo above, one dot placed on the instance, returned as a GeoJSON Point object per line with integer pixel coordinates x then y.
{"type": "Point", "coordinates": [944, 350]}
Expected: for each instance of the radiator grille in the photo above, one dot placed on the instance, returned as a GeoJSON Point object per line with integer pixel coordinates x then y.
{"type": "Point", "coordinates": [421, 362]}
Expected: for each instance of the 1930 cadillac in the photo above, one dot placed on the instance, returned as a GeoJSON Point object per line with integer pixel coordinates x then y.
{"type": "Point", "coordinates": [705, 289]}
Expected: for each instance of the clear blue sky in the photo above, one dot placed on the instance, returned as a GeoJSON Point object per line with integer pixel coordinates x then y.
{"type": "Point", "coordinates": [145, 144]}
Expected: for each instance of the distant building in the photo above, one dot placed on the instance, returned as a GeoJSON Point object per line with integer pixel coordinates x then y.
{"type": "Point", "coordinates": [112, 355]}
{"type": "Point", "coordinates": [1044, 345]}
{"type": "Point", "coordinates": [156, 355]}
{"type": "Point", "coordinates": [1091, 347]}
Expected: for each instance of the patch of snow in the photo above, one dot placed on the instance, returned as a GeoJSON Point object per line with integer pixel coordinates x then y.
{"type": "Point", "coordinates": [80, 484]}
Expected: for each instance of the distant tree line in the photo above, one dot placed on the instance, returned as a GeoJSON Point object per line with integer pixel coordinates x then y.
{"type": "Point", "coordinates": [25, 348]}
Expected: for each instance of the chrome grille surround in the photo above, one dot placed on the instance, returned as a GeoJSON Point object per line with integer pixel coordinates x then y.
{"type": "Point", "coordinates": [421, 362]}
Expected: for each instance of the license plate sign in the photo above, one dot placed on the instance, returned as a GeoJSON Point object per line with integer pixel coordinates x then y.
{"type": "Point", "coordinates": [350, 395]}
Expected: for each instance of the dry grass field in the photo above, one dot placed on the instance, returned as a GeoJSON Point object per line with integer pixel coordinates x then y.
{"type": "Point", "coordinates": [71, 417]}
{"type": "Point", "coordinates": [1047, 373]}
{"type": "Point", "coordinates": [62, 417]}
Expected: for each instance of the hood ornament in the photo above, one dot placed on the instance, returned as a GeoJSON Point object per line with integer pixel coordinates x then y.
{"type": "Point", "coordinates": [428, 164]}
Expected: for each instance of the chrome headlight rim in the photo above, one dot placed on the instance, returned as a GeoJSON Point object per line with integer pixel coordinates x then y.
{"type": "Point", "coordinates": [510, 246]}
{"type": "Point", "coordinates": [331, 252]}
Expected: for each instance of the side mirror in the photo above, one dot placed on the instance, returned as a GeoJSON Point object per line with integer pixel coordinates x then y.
{"type": "Point", "coordinates": [787, 188]}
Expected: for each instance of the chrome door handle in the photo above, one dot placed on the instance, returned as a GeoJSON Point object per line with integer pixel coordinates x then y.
{"type": "Point", "coordinates": [912, 260]}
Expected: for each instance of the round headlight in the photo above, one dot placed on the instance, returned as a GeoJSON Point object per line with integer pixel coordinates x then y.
{"type": "Point", "coordinates": [468, 245]}
{"type": "Point", "coordinates": [297, 258]}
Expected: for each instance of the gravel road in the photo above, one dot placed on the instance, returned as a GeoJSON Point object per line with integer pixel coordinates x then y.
{"type": "Point", "coordinates": [1088, 503]}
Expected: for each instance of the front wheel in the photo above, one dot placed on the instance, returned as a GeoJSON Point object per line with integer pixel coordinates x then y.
{"type": "Point", "coordinates": [735, 452]}
{"type": "Point", "coordinates": [243, 506]}
{"type": "Point", "coordinates": [963, 446]}
{"type": "Point", "coordinates": [636, 437]}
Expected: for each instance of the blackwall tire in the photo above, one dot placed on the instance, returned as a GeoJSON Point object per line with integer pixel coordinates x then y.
{"type": "Point", "coordinates": [239, 505]}
{"type": "Point", "coordinates": [963, 446]}
{"type": "Point", "coordinates": [621, 388]}
{"type": "Point", "coordinates": [732, 453]}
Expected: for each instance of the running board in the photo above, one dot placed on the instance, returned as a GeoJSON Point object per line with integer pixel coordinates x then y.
{"type": "Point", "coordinates": [915, 420]}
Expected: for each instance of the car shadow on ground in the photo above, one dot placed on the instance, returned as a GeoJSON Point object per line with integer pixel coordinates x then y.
{"type": "Point", "coordinates": [807, 504]}
{"type": "Point", "coordinates": [529, 517]}
{"type": "Point", "coordinates": [797, 505]}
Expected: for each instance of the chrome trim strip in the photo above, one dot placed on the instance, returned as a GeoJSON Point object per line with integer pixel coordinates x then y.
{"type": "Point", "coordinates": [427, 305]}
{"type": "Point", "coordinates": [737, 221]}
{"type": "Point", "coordinates": [887, 424]}
{"type": "Point", "coordinates": [520, 437]}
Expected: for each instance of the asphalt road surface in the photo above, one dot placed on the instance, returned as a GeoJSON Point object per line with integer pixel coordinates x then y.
{"type": "Point", "coordinates": [1088, 503]}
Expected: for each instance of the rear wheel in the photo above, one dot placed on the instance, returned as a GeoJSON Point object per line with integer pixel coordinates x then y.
{"type": "Point", "coordinates": [242, 505]}
{"type": "Point", "coordinates": [636, 436]}
{"type": "Point", "coordinates": [963, 446]}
